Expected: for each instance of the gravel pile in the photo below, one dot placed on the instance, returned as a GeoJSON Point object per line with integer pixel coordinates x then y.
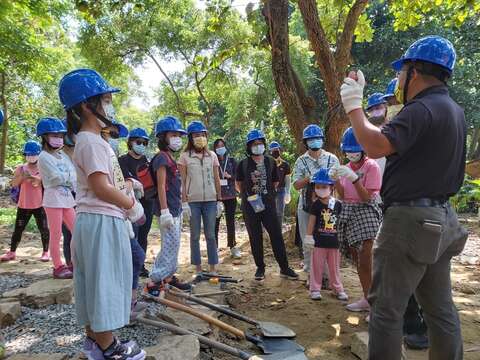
{"type": "Point", "coordinates": [15, 281]}
{"type": "Point", "coordinates": [54, 329]}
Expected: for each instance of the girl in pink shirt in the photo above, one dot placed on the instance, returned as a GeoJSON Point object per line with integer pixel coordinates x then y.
{"type": "Point", "coordinates": [27, 178]}
{"type": "Point", "coordinates": [358, 186]}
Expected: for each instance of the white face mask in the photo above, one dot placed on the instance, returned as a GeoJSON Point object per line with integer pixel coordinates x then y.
{"type": "Point", "coordinates": [323, 193]}
{"type": "Point", "coordinates": [258, 149]}
{"type": "Point", "coordinates": [175, 143]}
{"type": "Point", "coordinates": [109, 110]}
{"type": "Point", "coordinates": [32, 159]}
{"type": "Point", "coordinates": [377, 113]}
{"type": "Point", "coordinates": [354, 157]}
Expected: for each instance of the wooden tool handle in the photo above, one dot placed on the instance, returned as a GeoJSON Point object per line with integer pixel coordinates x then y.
{"type": "Point", "coordinates": [211, 320]}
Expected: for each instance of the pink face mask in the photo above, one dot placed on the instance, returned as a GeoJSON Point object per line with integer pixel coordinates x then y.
{"type": "Point", "coordinates": [55, 142]}
{"type": "Point", "coordinates": [377, 113]}
{"type": "Point", "coordinates": [323, 193]}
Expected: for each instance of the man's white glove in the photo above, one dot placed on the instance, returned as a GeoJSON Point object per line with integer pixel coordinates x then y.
{"type": "Point", "coordinates": [137, 188]}
{"type": "Point", "coordinates": [345, 171]}
{"type": "Point", "coordinates": [309, 243]}
{"type": "Point", "coordinates": [287, 198]}
{"type": "Point", "coordinates": [131, 233]}
{"type": "Point", "coordinates": [220, 209]}
{"type": "Point", "coordinates": [135, 214]}
{"type": "Point", "coordinates": [351, 92]}
{"type": "Point", "coordinates": [186, 211]}
{"type": "Point", "coordinates": [166, 219]}
{"type": "Point", "coordinates": [333, 173]}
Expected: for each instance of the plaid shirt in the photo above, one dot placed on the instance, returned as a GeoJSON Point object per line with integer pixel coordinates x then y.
{"type": "Point", "coordinates": [307, 166]}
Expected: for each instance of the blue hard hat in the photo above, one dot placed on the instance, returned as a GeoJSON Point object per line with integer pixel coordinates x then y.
{"type": "Point", "coordinates": [81, 84]}
{"type": "Point", "coordinates": [169, 123]}
{"type": "Point", "coordinates": [255, 134]}
{"type": "Point", "coordinates": [375, 99]}
{"type": "Point", "coordinates": [390, 91]}
{"type": "Point", "coordinates": [349, 143]}
{"type": "Point", "coordinates": [1, 117]}
{"type": "Point", "coordinates": [313, 131]}
{"type": "Point", "coordinates": [49, 125]}
{"type": "Point", "coordinates": [321, 177]}
{"type": "Point", "coordinates": [122, 129]}
{"type": "Point", "coordinates": [274, 145]}
{"type": "Point", "coordinates": [433, 49]}
{"type": "Point", "coordinates": [31, 148]}
{"type": "Point", "coordinates": [138, 133]}
{"type": "Point", "coordinates": [196, 127]}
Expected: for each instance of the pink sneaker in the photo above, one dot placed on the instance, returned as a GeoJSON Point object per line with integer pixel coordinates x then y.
{"type": "Point", "coordinates": [45, 256]}
{"type": "Point", "coordinates": [62, 272]}
{"type": "Point", "coordinates": [8, 256]}
{"type": "Point", "coordinates": [358, 306]}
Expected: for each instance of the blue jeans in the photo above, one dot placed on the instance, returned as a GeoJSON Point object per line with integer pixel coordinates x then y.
{"type": "Point", "coordinates": [206, 210]}
{"type": "Point", "coordinates": [280, 204]}
{"type": "Point", "coordinates": [138, 258]}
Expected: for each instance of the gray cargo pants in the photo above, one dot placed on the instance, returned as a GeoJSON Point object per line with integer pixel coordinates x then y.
{"type": "Point", "coordinates": [412, 254]}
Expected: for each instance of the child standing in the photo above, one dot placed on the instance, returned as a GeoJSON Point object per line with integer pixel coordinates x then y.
{"type": "Point", "coordinates": [59, 180]}
{"type": "Point", "coordinates": [102, 254]}
{"type": "Point", "coordinates": [168, 204]}
{"type": "Point", "coordinates": [27, 178]}
{"type": "Point", "coordinates": [322, 238]}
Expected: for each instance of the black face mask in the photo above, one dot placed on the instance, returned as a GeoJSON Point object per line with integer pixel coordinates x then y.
{"type": "Point", "coordinates": [276, 154]}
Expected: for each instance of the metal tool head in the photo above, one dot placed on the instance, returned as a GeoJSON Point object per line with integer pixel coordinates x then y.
{"type": "Point", "coordinates": [286, 355]}
{"type": "Point", "coordinates": [275, 330]}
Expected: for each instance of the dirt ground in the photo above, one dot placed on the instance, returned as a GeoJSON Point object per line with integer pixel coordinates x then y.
{"type": "Point", "coordinates": [323, 327]}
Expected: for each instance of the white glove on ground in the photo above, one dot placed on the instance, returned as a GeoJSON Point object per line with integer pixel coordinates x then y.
{"type": "Point", "coordinates": [166, 219]}
{"type": "Point", "coordinates": [351, 92]}
{"type": "Point", "coordinates": [186, 211]}
{"type": "Point", "coordinates": [220, 209]}
{"type": "Point", "coordinates": [131, 233]}
{"type": "Point", "coordinates": [135, 213]}
{"type": "Point", "coordinates": [309, 243]}
{"type": "Point", "coordinates": [345, 171]}
{"type": "Point", "coordinates": [287, 199]}
{"type": "Point", "coordinates": [333, 173]}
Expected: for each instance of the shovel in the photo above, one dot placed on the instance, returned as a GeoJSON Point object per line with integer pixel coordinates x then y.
{"type": "Point", "coordinates": [267, 345]}
{"type": "Point", "coordinates": [292, 355]}
{"type": "Point", "coordinates": [268, 329]}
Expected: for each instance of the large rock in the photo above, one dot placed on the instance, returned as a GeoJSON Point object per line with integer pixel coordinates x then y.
{"type": "Point", "coordinates": [43, 293]}
{"type": "Point", "coordinates": [9, 312]}
{"type": "Point", "coordinates": [53, 356]}
{"type": "Point", "coordinates": [185, 321]}
{"type": "Point", "coordinates": [174, 347]}
{"type": "Point", "coordinates": [359, 346]}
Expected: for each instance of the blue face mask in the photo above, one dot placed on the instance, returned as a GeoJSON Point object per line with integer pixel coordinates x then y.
{"type": "Point", "coordinates": [139, 149]}
{"type": "Point", "coordinates": [114, 143]}
{"type": "Point", "coordinates": [315, 144]}
{"type": "Point", "coordinates": [221, 151]}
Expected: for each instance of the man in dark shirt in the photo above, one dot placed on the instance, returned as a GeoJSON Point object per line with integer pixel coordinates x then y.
{"type": "Point", "coordinates": [282, 197]}
{"type": "Point", "coordinates": [130, 163]}
{"type": "Point", "coordinates": [425, 149]}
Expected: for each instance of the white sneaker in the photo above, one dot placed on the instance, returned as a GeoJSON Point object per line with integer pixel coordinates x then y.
{"type": "Point", "coordinates": [359, 306]}
{"type": "Point", "coordinates": [315, 295]}
{"type": "Point", "coordinates": [342, 296]}
{"type": "Point", "coordinates": [235, 253]}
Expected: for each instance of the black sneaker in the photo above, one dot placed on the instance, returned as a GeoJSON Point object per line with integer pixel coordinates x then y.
{"type": "Point", "coordinates": [289, 274]}
{"type": "Point", "coordinates": [417, 341]}
{"type": "Point", "coordinates": [175, 282]}
{"type": "Point", "coordinates": [123, 351]}
{"type": "Point", "coordinates": [144, 273]}
{"type": "Point", "coordinates": [260, 274]}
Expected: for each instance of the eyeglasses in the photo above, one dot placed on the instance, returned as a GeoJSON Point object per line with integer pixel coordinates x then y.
{"type": "Point", "coordinates": [141, 142]}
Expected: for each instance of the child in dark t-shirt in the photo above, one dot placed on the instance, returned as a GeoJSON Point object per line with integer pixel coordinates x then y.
{"type": "Point", "coordinates": [322, 237]}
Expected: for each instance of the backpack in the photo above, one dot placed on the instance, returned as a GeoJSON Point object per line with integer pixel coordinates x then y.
{"type": "Point", "coordinates": [147, 176]}
{"type": "Point", "coordinates": [15, 194]}
{"type": "Point", "coordinates": [309, 193]}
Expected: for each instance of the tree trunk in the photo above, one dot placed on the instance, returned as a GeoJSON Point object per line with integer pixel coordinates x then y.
{"type": "Point", "coordinates": [3, 99]}
{"type": "Point", "coordinates": [474, 143]}
{"type": "Point", "coordinates": [289, 88]}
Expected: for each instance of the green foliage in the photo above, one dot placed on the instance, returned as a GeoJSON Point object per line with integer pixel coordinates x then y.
{"type": "Point", "coordinates": [467, 200]}
{"type": "Point", "coordinates": [8, 216]}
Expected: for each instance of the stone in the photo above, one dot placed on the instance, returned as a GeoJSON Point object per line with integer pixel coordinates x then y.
{"type": "Point", "coordinates": [43, 293]}
{"type": "Point", "coordinates": [53, 356]}
{"type": "Point", "coordinates": [9, 312]}
{"type": "Point", "coordinates": [174, 347]}
{"type": "Point", "coordinates": [359, 345]}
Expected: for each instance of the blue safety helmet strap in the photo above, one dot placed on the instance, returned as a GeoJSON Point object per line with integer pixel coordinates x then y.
{"type": "Point", "coordinates": [255, 134]}
{"type": "Point", "coordinates": [31, 148]}
{"type": "Point", "coordinates": [375, 99]}
{"type": "Point", "coordinates": [196, 127]}
{"type": "Point", "coordinates": [433, 49]}
{"type": "Point", "coordinates": [169, 123]}
{"type": "Point", "coordinates": [81, 84]}
{"type": "Point", "coordinates": [390, 91]}
{"type": "Point", "coordinates": [49, 125]}
{"type": "Point", "coordinates": [349, 143]}
{"type": "Point", "coordinates": [274, 145]}
{"type": "Point", "coordinates": [321, 177]}
{"type": "Point", "coordinates": [313, 131]}
{"type": "Point", "coordinates": [138, 133]}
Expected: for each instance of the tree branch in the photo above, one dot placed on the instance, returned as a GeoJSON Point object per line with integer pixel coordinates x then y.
{"type": "Point", "coordinates": [344, 42]}
{"type": "Point", "coordinates": [202, 96]}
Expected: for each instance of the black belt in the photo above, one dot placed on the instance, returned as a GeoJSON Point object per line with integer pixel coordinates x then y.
{"type": "Point", "coordinates": [422, 202]}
